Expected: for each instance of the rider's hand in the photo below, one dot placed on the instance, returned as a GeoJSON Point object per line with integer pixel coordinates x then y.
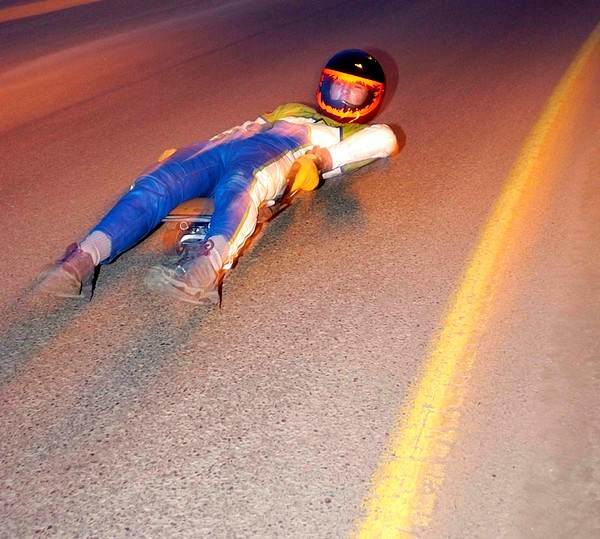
{"type": "Point", "coordinates": [305, 171]}
{"type": "Point", "coordinates": [324, 162]}
{"type": "Point", "coordinates": [304, 174]}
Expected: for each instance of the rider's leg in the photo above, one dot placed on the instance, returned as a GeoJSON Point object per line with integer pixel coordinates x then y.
{"type": "Point", "coordinates": [238, 194]}
{"type": "Point", "coordinates": [195, 278]}
{"type": "Point", "coordinates": [237, 200]}
{"type": "Point", "coordinates": [153, 195]}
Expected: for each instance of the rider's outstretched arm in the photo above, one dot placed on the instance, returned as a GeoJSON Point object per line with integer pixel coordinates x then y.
{"type": "Point", "coordinates": [361, 148]}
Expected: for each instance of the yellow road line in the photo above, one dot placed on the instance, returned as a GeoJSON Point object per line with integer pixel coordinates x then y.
{"type": "Point", "coordinates": [39, 8]}
{"type": "Point", "coordinates": [406, 482]}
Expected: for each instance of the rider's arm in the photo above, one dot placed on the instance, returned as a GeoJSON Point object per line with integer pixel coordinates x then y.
{"type": "Point", "coordinates": [288, 110]}
{"type": "Point", "coordinates": [330, 156]}
{"type": "Point", "coordinates": [240, 131]}
{"type": "Point", "coordinates": [291, 112]}
{"type": "Point", "coordinates": [359, 149]}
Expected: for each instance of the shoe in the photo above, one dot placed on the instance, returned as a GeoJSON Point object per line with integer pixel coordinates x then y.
{"type": "Point", "coordinates": [193, 278]}
{"type": "Point", "coordinates": [71, 276]}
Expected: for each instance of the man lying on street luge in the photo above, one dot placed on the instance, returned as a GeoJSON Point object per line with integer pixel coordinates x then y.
{"type": "Point", "coordinates": [283, 151]}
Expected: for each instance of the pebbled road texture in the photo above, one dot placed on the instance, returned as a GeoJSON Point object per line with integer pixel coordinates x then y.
{"type": "Point", "coordinates": [130, 416]}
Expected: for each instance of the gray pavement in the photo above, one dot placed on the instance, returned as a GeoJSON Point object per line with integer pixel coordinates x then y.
{"type": "Point", "coordinates": [130, 416]}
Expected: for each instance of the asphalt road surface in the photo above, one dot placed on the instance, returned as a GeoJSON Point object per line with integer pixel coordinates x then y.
{"type": "Point", "coordinates": [131, 416]}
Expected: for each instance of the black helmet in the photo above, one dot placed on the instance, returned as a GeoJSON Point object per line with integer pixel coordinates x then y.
{"type": "Point", "coordinates": [351, 87]}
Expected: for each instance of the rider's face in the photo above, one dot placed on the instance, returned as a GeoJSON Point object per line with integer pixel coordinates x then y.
{"type": "Point", "coordinates": [350, 93]}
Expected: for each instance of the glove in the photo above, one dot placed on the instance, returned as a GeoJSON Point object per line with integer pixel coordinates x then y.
{"type": "Point", "coordinates": [304, 174]}
{"type": "Point", "coordinates": [305, 171]}
{"type": "Point", "coordinates": [166, 154]}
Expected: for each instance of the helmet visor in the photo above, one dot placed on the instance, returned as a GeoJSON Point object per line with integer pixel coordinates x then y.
{"type": "Point", "coordinates": [350, 94]}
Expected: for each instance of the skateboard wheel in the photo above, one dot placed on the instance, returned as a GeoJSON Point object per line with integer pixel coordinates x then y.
{"type": "Point", "coordinates": [171, 237]}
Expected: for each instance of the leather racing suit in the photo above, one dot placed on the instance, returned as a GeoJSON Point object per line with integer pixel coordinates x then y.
{"type": "Point", "coordinates": [240, 169]}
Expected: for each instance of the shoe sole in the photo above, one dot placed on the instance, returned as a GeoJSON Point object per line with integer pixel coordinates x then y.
{"type": "Point", "coordinates": [159, 279]}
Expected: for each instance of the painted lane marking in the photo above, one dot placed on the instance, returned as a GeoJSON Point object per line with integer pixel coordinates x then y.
{"type": "Point", "coordinates": [405, 484]}
{"type": "Point", "coordinates": [39, 8]}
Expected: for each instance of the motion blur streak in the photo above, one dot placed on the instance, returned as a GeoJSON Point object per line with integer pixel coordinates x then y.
{"type": "Point", "coordinates": [38, 8]}
{"type": "Point", "coordinates": [405, 485]}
